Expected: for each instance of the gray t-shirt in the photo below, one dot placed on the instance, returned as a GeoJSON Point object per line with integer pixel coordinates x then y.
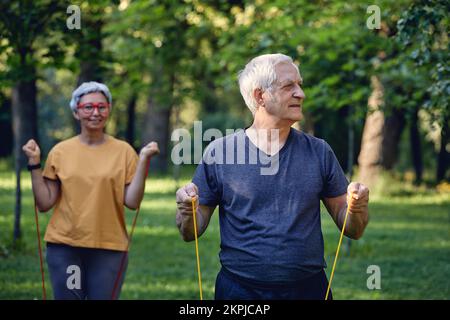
{"type": "Point", "coordinates": [270, 224]}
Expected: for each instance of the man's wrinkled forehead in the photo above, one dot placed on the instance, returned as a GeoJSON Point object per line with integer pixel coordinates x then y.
{"type": "Point", "coordinates": [287, 72]}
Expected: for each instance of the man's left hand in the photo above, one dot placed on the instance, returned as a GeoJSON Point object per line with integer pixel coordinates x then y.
{"type": "Point", "coordinates": [358, 198]}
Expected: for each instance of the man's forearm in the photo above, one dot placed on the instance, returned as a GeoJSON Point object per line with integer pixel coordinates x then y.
{"type": "Point", "coordinates": [185, 224]}
{"type": "Point", "coordinates": [356, 222]}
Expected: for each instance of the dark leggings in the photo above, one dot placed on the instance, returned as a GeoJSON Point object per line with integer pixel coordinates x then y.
{"type": "Point", "coordinates": [84, 273]}
{"type": "Point", "coordinates": [232, 287]}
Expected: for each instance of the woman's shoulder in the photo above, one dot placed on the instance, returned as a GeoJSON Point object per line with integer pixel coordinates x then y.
{"type": "Point", "coordinates": [118, 143]}
{"type": "Point", "coordinates": [65, 144]}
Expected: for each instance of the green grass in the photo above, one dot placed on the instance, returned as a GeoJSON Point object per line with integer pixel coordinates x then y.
{"type": "Point", "coordinates": [407, 237]}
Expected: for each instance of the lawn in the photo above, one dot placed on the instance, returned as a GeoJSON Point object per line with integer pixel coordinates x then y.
{"type": "Point", "coordinates": [408, 238]}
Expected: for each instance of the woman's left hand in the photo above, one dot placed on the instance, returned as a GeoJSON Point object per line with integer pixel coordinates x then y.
{"type": "Point", "coordinates": [149, 150]}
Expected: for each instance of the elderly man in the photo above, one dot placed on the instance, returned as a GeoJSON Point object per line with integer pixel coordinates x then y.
{"type": "Point", "coordinates": [271, 239]}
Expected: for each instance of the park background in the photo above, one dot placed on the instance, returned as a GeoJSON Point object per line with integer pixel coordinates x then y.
{"type": "Point", "coordinates": [378, 96]}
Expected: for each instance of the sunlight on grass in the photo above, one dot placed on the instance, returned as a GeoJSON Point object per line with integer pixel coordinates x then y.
{"type": "Point", "coordinates": [408, 226]}
{"type": "Point", "coordinates": [156, 231]}
{"type": "Point", "coordinates": [159, 205]}
{"type": "Point", "coordinates": [153, 290]}
{"type": "Point", "coordinates": [163, 185]}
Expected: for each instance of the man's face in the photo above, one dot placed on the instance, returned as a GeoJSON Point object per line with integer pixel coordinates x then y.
{"type": "Point", "coordinates": [285, 100]}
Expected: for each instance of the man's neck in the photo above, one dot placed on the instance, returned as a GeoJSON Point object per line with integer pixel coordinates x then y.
{"type": "Point", "coordinates": [269, 136]}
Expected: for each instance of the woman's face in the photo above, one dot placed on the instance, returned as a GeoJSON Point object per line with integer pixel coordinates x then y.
{"type": "Point", "coordinates": [93, 111]}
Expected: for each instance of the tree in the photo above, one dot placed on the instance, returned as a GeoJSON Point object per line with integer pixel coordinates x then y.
{"type": "Point", "coordinates": [89, 58]}
{"type": "Point", "coordinates": [5, 126]}
{"type": "Point", "coordinates": [423, 34]}
{"type": "Point", "coordinates": [21, 24]}
{"type": "Point", "coordinates": [162, 41]}
{"type": "Point", "coordinates": [390, 102]}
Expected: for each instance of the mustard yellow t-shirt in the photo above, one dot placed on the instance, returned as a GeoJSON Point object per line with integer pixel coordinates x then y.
{"type": "Point", "coordinates": [90, 210]}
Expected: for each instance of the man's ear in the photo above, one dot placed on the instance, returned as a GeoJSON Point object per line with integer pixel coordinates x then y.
{"type": "Point", "coordinates": [258, 96]}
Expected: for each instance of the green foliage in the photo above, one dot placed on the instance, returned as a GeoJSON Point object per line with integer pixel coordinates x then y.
{"type": "Point", "coordinates": [423, 33]}
{"type": "Point", "coordinates": [22, 25]}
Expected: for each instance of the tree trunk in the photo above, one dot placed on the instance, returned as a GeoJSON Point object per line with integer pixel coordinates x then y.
{"type": "Point", "coordinates": [416, 153]}
{"type": "Point", "coordinates": [443, 156]}
{"type": "Point", "coordinates": [157, 116]}
{"type": "Point", "coordinates": [88, 72]}
{"type": "Point", "coordinates": [371, 143]}
{"type": "Point", "coordinates": [24, 114]}
{"type": "Point", "coordinates": [156, 128]}
{"type": "Point", "coordinates": [131, 111]}
{"type": "Point", "coordinates": [89, 53]}
{"type": "Point", "coordinates": [210, 102]}
{"type": "Point", "coordinates": [176, 167]}
{"type": "Point", "coordinates": [392, 130]}
{"type": "Point", "coordinates": [381, 136]}
{"type": "Point", "coordinates": [17, 232]}
{"type": "Point", "coordinates": [6, 147]}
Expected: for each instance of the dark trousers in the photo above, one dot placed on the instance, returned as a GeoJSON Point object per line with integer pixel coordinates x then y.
{"type": "Point", "coordinates": [84, 273]}
{"type": "Point", "coordinates": [232, 287]}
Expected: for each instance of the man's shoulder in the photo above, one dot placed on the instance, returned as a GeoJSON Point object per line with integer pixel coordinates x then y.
{"type": "Point", "coordinates": [222, 141]}
{"type": "Point", "coordinates": [301, 136]}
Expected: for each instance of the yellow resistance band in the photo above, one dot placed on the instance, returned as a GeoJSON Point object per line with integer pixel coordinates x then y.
{"type": "Point", "coordinates": [194, 215]}
{"type": "Point", "coordinates": [338, 247]}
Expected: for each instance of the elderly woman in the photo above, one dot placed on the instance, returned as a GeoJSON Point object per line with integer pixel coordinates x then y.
{"type": "Point", "coordinates": [88, 178]}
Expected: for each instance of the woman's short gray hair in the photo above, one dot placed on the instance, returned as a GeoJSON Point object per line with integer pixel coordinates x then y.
{"type": "Point", "coordinates": [259, 73]}
{"type": "Point", "coordinates": [89, 87]}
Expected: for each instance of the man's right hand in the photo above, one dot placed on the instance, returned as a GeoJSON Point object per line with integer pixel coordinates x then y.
{"type": "Point", "coordinates": [184, 198]}
{"type": "Point", "coordinates": [184, 219]}
{"type": "Point", "coordinates": [32, 151]}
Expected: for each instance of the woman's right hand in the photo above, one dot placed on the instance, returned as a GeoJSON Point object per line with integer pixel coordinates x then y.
{"type": "Point", "coordinates": [32, 151]}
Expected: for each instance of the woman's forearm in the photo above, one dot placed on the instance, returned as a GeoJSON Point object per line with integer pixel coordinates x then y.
{"type": "Point", "coordinates": [43, 192]}
{"type": "Point", "coordinates": [135, 190]}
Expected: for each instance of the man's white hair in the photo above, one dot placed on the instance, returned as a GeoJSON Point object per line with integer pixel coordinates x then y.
{"type": "Point", "coordinates": [259, 73]}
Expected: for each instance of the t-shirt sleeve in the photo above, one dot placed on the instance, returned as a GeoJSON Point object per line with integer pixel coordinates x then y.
{"type": "Point", "coordinates": [205, 178]}
{"type": "Point", "coordinates": [50, 168]}
{"type": "Point", "coordinates": [335, 182]}
{"type": "Point", "coordinates": [132, 161]}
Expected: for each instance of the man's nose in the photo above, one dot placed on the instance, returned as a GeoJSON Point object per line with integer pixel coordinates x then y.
{"type": "Point", "coordinates": [299, 93]}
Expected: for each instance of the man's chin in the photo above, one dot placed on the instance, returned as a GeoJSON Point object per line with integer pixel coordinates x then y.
{"type": "Point", "coordinates": [296, 117]}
